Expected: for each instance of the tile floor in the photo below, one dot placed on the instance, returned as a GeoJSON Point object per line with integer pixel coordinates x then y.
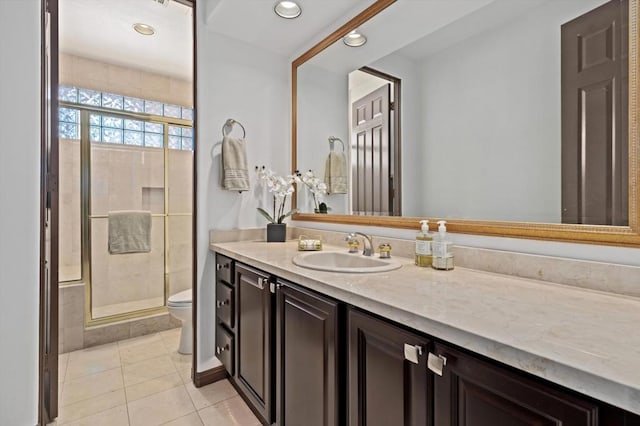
{"type": "Point", "coordinates": [143, 381]}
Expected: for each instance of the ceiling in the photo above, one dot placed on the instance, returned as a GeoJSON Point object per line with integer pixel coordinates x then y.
{"type": "Point", "coordinates": [102, 29]}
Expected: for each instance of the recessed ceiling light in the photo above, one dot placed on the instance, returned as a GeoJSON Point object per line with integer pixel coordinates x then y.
{"type": "Point", "coordinates": [354, 39]}
{"type": "Point", "coordinates": [287, 9]}
{"type": "Point", "coordinates": [144, 29]}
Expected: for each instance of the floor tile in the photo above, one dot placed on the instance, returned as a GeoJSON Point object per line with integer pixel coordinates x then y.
{"type": "Point", "coordinates": [147, 370]}
{"type": "Point", "coordinates": [152, 386]}
{"type": "Point", "coordinates": [117, 416]}
{"type": "Point", "coordinates": [142, 340]}
{"type": "Point", "coordinates": [137, 353]}
{"type": "Point", "coordinates": [231, 412]}
{"type": "Point", "coordinates": [95, 352]}
{"type": "Point", "coordinates": [171, 338]}
{"type": "Point", "coordinates": [192, 419]}
{"type": "Point", "coordinates": [86, 366]}
{"type": "Point", "coordinates": [91, 386]}
{"type": "Point", "coordinates": [88, 407]}
{"type": "Point", "coordinates": [63, 360]}
{"type": "Point", "coordinates": [160, 407]}
{"type": "Point", "coordinates": [210, 394]}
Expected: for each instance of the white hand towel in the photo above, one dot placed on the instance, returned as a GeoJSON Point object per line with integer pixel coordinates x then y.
{"type": "Point", "coordinates": [235, 174]}
{"type": "Point", "coordinates": [335, 174]}
{"type": "Point", "coordinates": [129, 232]}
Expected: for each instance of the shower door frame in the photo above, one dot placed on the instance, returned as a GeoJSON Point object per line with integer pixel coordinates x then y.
{"type": "Point", "coordinates": [85, 203]}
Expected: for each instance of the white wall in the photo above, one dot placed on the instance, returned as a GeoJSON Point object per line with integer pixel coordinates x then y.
{"type": "Point", "coordinates": [251, 85]}
{"type": "Point", "coordinates": [323, 112]}
{"type": "Point", "coordinates": [19, 215]}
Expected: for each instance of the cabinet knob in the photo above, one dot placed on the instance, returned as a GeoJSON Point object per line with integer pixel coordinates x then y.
{"type": "Point", "coordinates": [436, 363]}
{"type": "Point", "coordinates": [220, 349]}
{"type": "Point", "coordinates": [221, 303]}
{"type": "Point", "coordinates": [219, 266]}
{"type": "Point", "coordinates": [412, 353]}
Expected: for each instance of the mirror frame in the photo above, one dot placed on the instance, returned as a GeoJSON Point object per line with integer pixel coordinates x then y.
{"type": "Point", "coordinates": [593, 234]}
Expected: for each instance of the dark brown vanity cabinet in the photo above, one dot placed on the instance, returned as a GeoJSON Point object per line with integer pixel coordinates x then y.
{"type": "Point", "coordinates": [307, 354]}
{"type": "Point", "coordinates": [254, 336]}
{"type": "Point", "coordinates": [473, 392]}
{"type": "Point", "coordinates": [388, 380]}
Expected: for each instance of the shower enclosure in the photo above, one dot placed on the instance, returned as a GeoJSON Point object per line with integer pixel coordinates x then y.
{"type": "Point", "coordinates": [121, 153]}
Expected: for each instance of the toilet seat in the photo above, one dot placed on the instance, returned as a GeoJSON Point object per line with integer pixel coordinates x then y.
{"type": "Point", "coordinates": [181, 299]}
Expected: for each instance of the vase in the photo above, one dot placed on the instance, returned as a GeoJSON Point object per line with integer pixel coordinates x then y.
{"type": "Point", "coordinates": [276, 232]}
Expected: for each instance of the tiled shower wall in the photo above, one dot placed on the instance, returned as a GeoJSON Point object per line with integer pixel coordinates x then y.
{"type": "Point", "coordinates": [135, 179]}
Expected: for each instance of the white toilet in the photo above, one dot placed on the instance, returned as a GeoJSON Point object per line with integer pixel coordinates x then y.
{"type": "Point", "coordinates": [179, 306]}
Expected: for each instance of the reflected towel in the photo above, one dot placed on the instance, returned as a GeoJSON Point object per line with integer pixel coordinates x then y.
{"type": "Point", "coordinates": [235, 174]}
{"type": "Point", "coordinates": [129, 232]}
{"type": "Point", "coordinates": [335, 173]}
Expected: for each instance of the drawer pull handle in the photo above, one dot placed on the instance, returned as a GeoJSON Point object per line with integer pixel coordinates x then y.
{"type": "Point", "coordinates": [412, 353]}
{"type": "Point", "coordinates": [219, 349]}
{"type": "Point", "coordinates": [436, 363]}
{"type": "Point", "coordinates": [219, 267]}
{"type": "Point", "coordinates": [221, 303]}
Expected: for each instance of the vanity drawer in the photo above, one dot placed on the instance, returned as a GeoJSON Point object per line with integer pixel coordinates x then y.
{"type": "Point", "coordinates": [225, 304]}
{"type": "Point", "coordinates": [224, 269]}
{"type": "Point", "coordinates": [225, 348]}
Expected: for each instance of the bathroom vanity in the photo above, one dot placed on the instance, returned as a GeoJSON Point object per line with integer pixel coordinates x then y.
{"type": "Point", "coordinates": [416, 346]}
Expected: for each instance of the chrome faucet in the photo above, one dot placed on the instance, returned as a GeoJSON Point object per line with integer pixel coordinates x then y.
{"type": "Point", "coordinates": [368, 251]}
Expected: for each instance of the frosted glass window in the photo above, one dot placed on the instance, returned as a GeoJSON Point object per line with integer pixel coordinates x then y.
{"type": "Point", "coordinates": [153, 128]}
{"type": "Point", "coordinates": [111, 100]}
{"type": "Point", "coordinates": [112, 122]}
{"type": "Point", "coordinates": [68, 131]}
{"type": "Point", "coordinates": [94, 120]}
{"type": "Point", "coordinates": [187, 131]}
{"type": "Point", "coordinates": [133, 125]}
{"type": "Point", "coordinates": [89, 97]}
{"type": "Point", "coordinates": [133, 138]}
{"type": "Point", "coordinates": [133, 104]}
{"type": "Point", "coordinates": [68, 94]}
{"type": "Point", "coordinates": [68, 115]}
{"type": "Point", "coordinates": [94, 134]}
{"type": "Point", "coordinates": [175, 142]}
{"type": "Point", "coordinates": [187, 144]}
{"type": "Point", "coordinates": [153, 140]}
{"type": "Point", "coordinates": [187, 113]}
{"type": "Point", "coordinates": [111, 135]}
{"type": "Point", "coordinates": [172, 111]}
{"type": "Point", "coordinates": [174, 131]}
{"type": "Point", "coordinates": [151, 107]}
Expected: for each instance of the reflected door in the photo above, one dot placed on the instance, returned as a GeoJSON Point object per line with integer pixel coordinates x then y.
{"type": "Point", "coordinates": [371, 155]}
{"type": "Point", "coordinates": [595, 173]}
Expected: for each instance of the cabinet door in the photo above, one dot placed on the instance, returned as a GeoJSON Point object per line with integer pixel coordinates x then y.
{"type": "Point", "coordinates": [307, 353]}
{"type": "Point", "coordinates": [473, 392]}
{"type": "Point", "coordinates": [254, 338]}
{"type": "Point", "coordinates": [385, 388]}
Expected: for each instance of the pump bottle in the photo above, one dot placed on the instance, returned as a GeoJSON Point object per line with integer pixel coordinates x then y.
{"type": "Point", "coordinates": [442, 249]}
{"type": "Point", "coordinates": [423, 245]}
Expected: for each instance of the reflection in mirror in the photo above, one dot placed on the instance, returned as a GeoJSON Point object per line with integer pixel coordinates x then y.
{"type": "Point", "coordinates": [511, 111]}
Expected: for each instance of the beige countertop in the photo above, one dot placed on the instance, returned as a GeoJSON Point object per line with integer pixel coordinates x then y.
{"type": "Point", "coordinates": [585, 340]}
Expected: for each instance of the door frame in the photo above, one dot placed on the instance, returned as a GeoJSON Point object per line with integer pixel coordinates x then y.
{"type": "Point", "coordinates": [48, 302]}
{"type": "Point", "coordinates": [396, 106]}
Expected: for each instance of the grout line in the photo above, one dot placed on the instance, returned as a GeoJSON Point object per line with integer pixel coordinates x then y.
{"type": "Point", "coordinates": [126, 398]}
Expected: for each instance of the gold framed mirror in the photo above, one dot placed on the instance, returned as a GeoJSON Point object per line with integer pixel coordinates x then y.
{"type": "Point", "coordinates": [602, 232]}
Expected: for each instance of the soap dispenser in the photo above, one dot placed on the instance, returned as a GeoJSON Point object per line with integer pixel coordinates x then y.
{"type": "Point", "coordinates": [423, 245]}
{"type": "Point", "coordinates": [442, 249]}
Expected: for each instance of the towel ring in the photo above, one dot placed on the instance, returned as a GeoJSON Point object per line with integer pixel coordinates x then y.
{"type": "Point", "coordinates": [229, 125]}
{"type": "Point", "coordinates": [332, 140]}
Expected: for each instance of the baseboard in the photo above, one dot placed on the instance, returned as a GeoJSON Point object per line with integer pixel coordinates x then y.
{"type": "Point", "coordinates": [212, 375]}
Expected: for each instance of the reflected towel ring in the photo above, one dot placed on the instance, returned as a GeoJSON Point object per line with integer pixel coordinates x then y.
{"type": "Point", "coordinates": [228, 125]}
{"type": "Point", "coordinates": [332, 140]}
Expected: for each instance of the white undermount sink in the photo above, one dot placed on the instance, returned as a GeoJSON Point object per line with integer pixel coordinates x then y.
{"type": "Point", "coordinates": [334, 261]}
